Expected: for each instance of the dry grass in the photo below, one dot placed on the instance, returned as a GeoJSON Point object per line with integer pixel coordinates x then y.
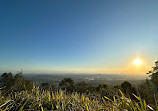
{"type": "Point", "coordinates": [61, 101]}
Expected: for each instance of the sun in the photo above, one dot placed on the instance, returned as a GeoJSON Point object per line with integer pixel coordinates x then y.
{"type": "Point", "coordinates": [137, 62]}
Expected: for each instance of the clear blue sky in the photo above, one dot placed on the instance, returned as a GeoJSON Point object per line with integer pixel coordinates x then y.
{"type": "Point", "coordinates": [77, 35]}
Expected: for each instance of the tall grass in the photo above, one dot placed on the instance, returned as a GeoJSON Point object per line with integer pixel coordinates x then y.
{"type": "Point", "coordinates": [61, 101]}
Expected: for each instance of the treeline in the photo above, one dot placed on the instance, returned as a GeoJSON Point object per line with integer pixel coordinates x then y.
{"type": "Point", "coordinates": [11, 83]}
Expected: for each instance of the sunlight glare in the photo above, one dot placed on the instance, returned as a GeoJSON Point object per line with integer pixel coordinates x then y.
{"type": "Point", "coordinates": [137, 62]}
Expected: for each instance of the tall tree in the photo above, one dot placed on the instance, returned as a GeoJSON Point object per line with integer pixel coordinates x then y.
{"type": "Point", "coordinates": [7, 80]}
{"type": "Point", "coordinates": [81, 87]}
{"type": "Point", "coordinates": [67, 84]}
{"type": "Point", "coordinates": [15, 83]}
{"type": "Point", "coordinates": [154, 75]}
{"type": "Point", "coordinates": [128, 89]}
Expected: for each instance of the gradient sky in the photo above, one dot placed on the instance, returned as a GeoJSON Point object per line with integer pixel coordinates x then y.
{"type": "Point", "coordinates": [89, 36]}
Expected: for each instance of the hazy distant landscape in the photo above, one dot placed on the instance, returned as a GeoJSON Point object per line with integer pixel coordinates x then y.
{"type": "Point", "coordinates": [94, 79]}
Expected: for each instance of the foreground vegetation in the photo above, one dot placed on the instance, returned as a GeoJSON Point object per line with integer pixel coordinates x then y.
{"type": "Point", "coordinates": [61, 101]}
{"type": "Point", "coordinates": [18, 93]}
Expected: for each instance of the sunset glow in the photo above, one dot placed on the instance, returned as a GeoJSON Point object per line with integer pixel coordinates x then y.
{"type": "Point", "coordinates": [78, 37]}
{"type": "Point", "coordinates": [137, 62]}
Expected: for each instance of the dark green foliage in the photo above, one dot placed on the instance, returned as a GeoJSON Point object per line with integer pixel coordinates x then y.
{"type": "Point", "coordinates": [7, 80]}
{"type": "Point", "coordinates": [154, 75]}
{"type": "Point", "coordinates": [128, 89]}
{"type": "Point", "coordinates": [102, 87]}
{"type": "Point", "coordinates": [147, 91]}
{"type": "Point", "coordinates": [47, 86]}
{"type": "Point", "coordinates": [19, 82]}
{"type": "Point", "coordinates": [104, 90]}
{"type": "Point", "coordinates": [117, 87]}
{"type": "Point", "coordinates": [83, 87]}
{"type": "Point", "coordinates": [67, 84]}
{"type": "Point", "coordinates": [29, 85]}
{"type": "Point", "coordinates": [154, 80]}
{"type": "Point", "coordinates": [15, 83]}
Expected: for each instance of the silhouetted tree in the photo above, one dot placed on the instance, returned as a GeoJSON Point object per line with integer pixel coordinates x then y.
{"type": "Point", "coordinates": [29, 85]}
{"type": "Point", "coordinates": [154, 75]}
{"type": "Point", "coordinates": [81, 87]}
{"type": "Point", "coordinates": [147, 91]}
{"type": "Point", "coordinates": [154, 80]}
{"type": "Point", "coordinates": [19, 82]}
{"type": "Point", "coordinates": [15, 83]}
{"type": "Point", "coordinates": [128, 89]}
{"type": "Point", "coordinates": [67, 84]}
{"type": "Point", "coordinates": [104, 90]}
{"type": "Point", "coordinates": [7, 80]}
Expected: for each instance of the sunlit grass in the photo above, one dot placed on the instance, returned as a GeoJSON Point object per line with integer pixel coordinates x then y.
{"type": "Point", "coordinates": [61, 101]}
